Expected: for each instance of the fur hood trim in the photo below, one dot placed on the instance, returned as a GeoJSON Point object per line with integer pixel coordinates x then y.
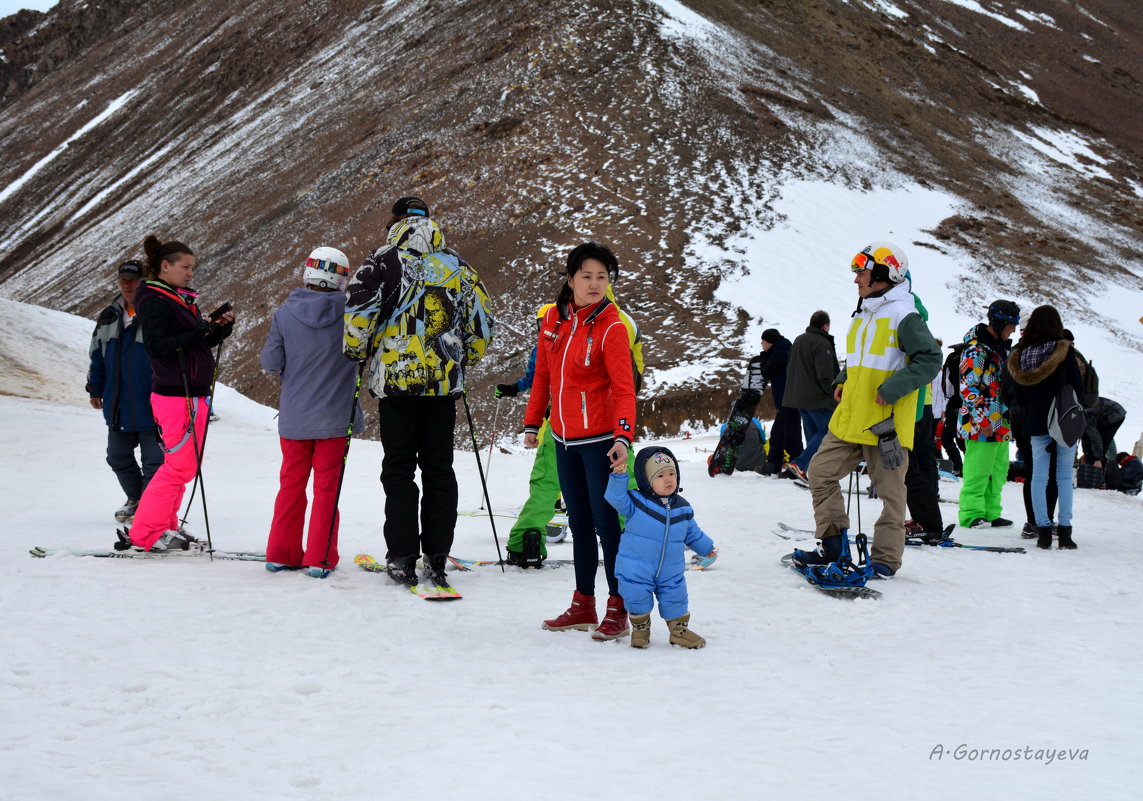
{"type": "Point", "coordinates": [1028, 378]}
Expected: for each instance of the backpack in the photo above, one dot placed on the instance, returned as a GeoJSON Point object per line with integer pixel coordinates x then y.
{"type": "Point", "coordinates": [1066, 420]}
{"type": "Point", "coordinates": [950, 377]}
{"type": "Point", "coordinates": [1090, 387]}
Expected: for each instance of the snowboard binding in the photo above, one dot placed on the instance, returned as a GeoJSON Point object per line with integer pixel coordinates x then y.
{"type": "Point", "coordinates": [843, 572]}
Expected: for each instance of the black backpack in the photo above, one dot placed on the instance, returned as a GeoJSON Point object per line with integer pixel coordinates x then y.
{"type": "Point", "coordinates": [1066, 420]}
{"type": "Point", "coordinates": [1090, 381]}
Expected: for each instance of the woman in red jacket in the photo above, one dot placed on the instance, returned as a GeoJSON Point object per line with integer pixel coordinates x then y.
{"type": "Point", "coordinates": [584, 372]}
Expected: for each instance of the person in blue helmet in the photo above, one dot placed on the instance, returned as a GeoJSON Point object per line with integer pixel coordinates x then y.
{"type": "Point", "coordinates": [652, 552]}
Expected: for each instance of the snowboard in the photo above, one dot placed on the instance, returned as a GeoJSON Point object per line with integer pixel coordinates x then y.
{"type": "Point", "coordinates": [725, 455]}
{"type": "Point", "coordinates": [835, 591]}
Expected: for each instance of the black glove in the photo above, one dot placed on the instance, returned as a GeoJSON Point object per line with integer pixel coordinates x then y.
{"type": "Point", "coordinates": [506, 391]}
{"type": "Point", "coordinates": [892, 454]}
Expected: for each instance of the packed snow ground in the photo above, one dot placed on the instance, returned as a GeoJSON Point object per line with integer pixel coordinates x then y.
{"type": "Point", "coordinates": [186, 679]}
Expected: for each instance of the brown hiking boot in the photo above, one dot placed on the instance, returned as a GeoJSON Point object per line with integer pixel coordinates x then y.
{"type": "Point", "coordinates": [640, 630]}
{"type": "Point", "coordinates": [614, 623]}
{"type": "Point", "coordinates": [681, 635]}
{"type": "Point", "coordinates": [580, 615]}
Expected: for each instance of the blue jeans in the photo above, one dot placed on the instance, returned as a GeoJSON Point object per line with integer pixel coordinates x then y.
{"type": "Point", "coordinates": [1041, 460]}
{"type": "Point", "coordinates": [583, 472]}
{"type": "Point", "coordinates": [815, 424]}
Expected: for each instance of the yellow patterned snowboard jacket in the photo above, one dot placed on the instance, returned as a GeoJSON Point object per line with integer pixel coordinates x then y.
{"type": "Point", "coordinates": [420, 311]}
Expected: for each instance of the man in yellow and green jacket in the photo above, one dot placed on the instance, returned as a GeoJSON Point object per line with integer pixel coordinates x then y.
{"type": "Point", "coordinates": [890, 355]}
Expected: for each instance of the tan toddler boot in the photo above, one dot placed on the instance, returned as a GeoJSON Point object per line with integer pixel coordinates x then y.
{"type": "Point", "coordinates": [640, 630]}
{"type": "Point", "coordinates": [681, 635]}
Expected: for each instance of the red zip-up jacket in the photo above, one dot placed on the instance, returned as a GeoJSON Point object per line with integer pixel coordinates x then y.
{"type": "Point", "coordinates": [583, 369]}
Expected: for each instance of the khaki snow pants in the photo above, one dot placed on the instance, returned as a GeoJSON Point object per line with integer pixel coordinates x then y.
{"type": "Point", "coordinates": [835, 460]}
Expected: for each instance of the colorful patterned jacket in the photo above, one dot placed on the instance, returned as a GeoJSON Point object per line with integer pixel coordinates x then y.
{"type": "Point", "coordinates": [421, 313]}
{"type": "Point", "coordinates": [981, 367]}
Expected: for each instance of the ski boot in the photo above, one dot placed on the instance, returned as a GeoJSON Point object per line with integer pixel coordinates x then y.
{"type": "Point", "coordinates": [829, 551]}
{"type": "Point", "coordinates": [126, 512]}
{"type": "Point", "coordinates": [402, 569]}
{"type": "Point", "coordinates": [433, 573]}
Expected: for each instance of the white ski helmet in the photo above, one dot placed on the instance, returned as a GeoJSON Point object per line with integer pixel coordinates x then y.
{"type": "Point", "coordinates": [326, 268]}
{"type": "Point", "coordinates": [887, 262]}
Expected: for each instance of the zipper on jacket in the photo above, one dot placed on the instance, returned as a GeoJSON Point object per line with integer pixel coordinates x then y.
{"type": "Point", "coordinates": [583, 408]}
{"type": "Point", "coordinates": [563, 364]}
{"type": "Point", "coordinates": [666, 536]}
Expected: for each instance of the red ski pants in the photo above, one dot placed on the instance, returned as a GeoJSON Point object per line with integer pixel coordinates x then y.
{"type": "Point", "coordinates": [299, 457]}
{"type": "Point", "coordinates": [159, 507]}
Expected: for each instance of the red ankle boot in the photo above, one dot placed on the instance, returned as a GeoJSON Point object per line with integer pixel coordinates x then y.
{"type": "Point", "coordinates": [614, 623]}
{"type": "Point", "coordinates": [580, 615]}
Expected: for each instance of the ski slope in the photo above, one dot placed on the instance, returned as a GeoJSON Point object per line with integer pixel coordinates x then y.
{"type": "Point", "coordinates": [186, 679]}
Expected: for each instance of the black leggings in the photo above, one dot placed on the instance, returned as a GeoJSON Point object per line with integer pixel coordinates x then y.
{"type": "Point", "coordinates": [583, 471]}
{"type": "Point", "coordinates": [1024, 449]}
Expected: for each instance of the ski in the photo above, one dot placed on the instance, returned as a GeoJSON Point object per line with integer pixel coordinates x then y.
{"type": "Point", "coordinates": [696, 562]}
{"type": "Point", "coordinates": [434, 592]}
{"type": "Point", "coordinates": [790, 533]}
{"type": "Point", "coordinates": [112, 553]}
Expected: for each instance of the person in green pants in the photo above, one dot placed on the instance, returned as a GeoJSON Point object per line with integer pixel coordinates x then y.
{"type": "Point", "coordinates": [527, 541]}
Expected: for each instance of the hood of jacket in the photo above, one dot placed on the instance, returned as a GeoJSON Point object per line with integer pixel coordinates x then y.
{"type": "Point", "coordinates": [641, 480]}
{"type": "Point", "coordinates": [420, 234]}
{"type": "Point", "coordinates": [1038, 373]}
{"type": "Point", "coordinates": [783, 345]}
{"type": "Point", "coordinates": [980, 333]}
{"type": "Point", "coordinates": [315, 309]}
{"type": "Point", "coordinates": [875, 302]}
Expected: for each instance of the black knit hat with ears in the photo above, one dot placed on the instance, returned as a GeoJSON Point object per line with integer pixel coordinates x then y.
{"type": "Point", "coordinates": [410, 205]}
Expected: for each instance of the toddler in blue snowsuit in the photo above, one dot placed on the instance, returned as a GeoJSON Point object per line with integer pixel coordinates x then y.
{"type": "Point", "coordinates": [652, 559]}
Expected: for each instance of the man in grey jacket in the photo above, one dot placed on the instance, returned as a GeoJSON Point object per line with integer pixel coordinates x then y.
{"type": "Point", "coordinates": [810, 380]}
{"type": "Point", "coordinates": [318, 389]}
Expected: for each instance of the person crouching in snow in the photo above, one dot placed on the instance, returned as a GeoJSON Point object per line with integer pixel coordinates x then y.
{"type": "Point", "coordinates": [651, 561]}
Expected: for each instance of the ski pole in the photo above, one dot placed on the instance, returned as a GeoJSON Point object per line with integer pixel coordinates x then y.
{"type": "Point", "coordinates": [491, 444]}
{"type": "Point", "coordinates": [344, 459]}
{"type": "Point", "coordinates": [483, 483]}
{"type": "Point", "coordinates": [198, 452]}
{"type": "Point", "coordinates": [206, 428]}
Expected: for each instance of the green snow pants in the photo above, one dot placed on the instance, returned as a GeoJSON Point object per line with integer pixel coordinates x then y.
{"type": "Point", "coordinates": [983, 475]}
{"type": "Point", "coordinates": [543, 490]}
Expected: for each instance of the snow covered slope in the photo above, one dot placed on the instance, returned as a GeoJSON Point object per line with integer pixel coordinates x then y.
{"type": "Point", "coordinates": [978, 675]}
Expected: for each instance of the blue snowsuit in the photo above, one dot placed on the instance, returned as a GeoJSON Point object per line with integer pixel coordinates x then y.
{"type": "Point", "coordinates": [652, 551]}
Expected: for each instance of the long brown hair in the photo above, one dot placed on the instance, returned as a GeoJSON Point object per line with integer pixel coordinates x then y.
{"type": "Point", "coordinates": [158, 252]}
{"type": "Point", "coordinates": [1044, 325]}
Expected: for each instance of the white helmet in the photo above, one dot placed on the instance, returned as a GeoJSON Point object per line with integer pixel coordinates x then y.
{"type": "Point", "coordinates": [887, 261]}
{"type": "Point", "coordinates": [327, 268]}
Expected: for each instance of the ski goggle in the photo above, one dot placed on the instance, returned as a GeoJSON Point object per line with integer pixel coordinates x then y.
{"type": "Point", "coordinates": [862, 262]}
{"type": "Point", "coordinates": [327, 266]}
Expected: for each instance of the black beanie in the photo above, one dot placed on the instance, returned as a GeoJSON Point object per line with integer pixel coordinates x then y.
{"type": "Point", "coordinates": [771, 335]}
{"type": "Point", "coordinates": [411, 205]}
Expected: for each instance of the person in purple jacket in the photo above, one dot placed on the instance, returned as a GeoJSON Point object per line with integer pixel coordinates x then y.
{"type": "Point", "coordinates": [318, 386]}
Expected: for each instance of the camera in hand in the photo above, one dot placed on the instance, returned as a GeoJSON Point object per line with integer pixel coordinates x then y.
{"type": "Point", "coordinates": [221, 310]}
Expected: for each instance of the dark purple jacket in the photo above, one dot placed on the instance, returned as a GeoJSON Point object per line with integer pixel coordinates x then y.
{"type": "Point", "coordinates": [177, 339]}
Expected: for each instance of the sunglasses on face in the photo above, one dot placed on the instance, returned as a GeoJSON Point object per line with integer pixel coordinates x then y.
{"type": "Point", "coordinates": [327, 266]}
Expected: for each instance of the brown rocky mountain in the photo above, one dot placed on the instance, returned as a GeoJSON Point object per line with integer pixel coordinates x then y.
{"type": "Point", "coordinates": [257, 131]}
